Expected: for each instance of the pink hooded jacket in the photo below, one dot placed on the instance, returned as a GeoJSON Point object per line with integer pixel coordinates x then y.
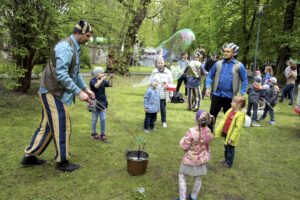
{"type": "Point", "coordinates": [196, 146]}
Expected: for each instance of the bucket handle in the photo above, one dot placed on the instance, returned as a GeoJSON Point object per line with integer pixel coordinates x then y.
{"type": "Point", "coordinates": [139, 152]}
{"type": "Point", "coordinates": [142, 148]}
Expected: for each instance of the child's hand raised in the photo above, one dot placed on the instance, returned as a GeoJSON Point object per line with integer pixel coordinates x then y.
{"type": "Point", "coordinates": [102, 76]}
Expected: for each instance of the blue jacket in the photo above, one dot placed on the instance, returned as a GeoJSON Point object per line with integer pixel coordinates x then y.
{"type": "Point", "coordinates": [152, 100]}
{"type": "Point", "coordinates": [74, 84]}
{"type": "Point", "coordinates": [225, 88]}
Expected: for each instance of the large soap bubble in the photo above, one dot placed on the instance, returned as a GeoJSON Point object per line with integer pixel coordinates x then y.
{"type": "Point", "coordinates": [172, 48]}
{"type": "Point", "coordinates": [169, 49]}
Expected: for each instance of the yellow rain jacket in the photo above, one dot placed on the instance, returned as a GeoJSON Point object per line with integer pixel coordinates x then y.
{"type": "Point", "coordinates": [235, 128]}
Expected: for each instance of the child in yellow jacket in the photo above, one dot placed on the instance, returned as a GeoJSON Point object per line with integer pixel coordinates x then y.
{"type": "Point", "coordinates": [230, 128]}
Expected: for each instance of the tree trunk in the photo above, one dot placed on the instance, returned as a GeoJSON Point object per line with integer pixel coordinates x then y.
{"type": "Point", "coordinates": [131, 35]}
{"type": "Point", "coordinates": [285, 51]}
{"type": "Point", "coordinates": [247, 33]}
{"type": "Point", "coordinates": [25, 81]}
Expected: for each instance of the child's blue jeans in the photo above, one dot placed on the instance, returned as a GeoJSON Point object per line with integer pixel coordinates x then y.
{"type": "Point", "coordinates": [288, 90]}
{"type": "Point", "coordinates": [102, 115]}
{"type": "Point", "coordinates": [271, 112]}
{"type": "Point", "coordinates": [255, 108]}
{"type": "Point", "coordinates": [229, 154]}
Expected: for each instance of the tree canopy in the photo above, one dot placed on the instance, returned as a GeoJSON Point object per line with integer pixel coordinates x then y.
{"type": "Point", "coordinates": [34, 26]}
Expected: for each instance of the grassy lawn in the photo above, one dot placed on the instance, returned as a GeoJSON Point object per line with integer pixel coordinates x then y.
{"type": "Point", "coordinates": [267, 162]}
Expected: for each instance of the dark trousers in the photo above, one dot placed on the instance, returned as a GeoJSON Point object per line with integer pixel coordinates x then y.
{"type": "Point", "coordinates": [217, 103]}
{"type": "Point", "coordinates": [255, 108]}
{"type": "Point", "coordinates": [182, 78]}
{"type": "Point", "coordinates": [150, 119]}
{"type": "Point", "coordinates": [203, 89]}
{"type": "Point", "coordinates": [229, 154]}
{"type": "Point", "coordinates": [288, 90]}
{"type": "Point", "coordinates": [163, 111]}
{"type": "Point", "coordinates": [271, 112]}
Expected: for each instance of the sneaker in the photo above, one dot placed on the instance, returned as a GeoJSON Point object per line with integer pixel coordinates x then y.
{"type": "Point", "coordinates": [189, 197]}
{"type": "Point", "coordinates": [226, 165]}
{"type": "Point", "coordinates": [66, 166]}
{"type": "Point", "coordinates": [164, 124]}
{"type": "Point", "coordinates": [153, 129]}
{"type": "Point", "coordinates": [103, 138]}
{"type": "Point", "coordinates": [254, 124]}
{"type": "Point", "coordinates": [290, 104]}
{"type": "Point", "coordinates": [261, 119]}
{"type": "Point", "coordinates": [95, 136]}
{"type": "Point", "coordinates": [28, 161]}
{"type": "Point", "coordinates": [146, 131]}
{"type": "Point", "coordinates": [272, 122]}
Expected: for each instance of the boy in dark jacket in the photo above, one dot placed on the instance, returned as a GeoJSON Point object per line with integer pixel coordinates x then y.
{"type": "Point", "coordinates": [254, 93]}
{"type": "Point", "coordinates": [271, 99]}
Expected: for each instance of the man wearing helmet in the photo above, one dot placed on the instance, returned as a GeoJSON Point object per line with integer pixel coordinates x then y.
{"type": "Point", "coordinates": [226, 79]}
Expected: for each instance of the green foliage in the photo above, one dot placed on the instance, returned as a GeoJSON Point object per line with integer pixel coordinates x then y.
{"type": "Point", "coordinates": [37, 69]}
{"type": "Point", "coordinates": [106, 17]}
{"type": "Point", "coordinates": [85, 58]}
{"type": "Point", "coordinates": [9, 74]}
{"type": "Point", "coordinates": [34, 27]}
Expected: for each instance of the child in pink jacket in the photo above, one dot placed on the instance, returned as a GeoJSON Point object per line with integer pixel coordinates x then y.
{"type": "Point", "coordinates": [195, 143]}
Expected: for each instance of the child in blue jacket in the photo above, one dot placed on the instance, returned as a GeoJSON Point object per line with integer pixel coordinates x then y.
{"type": "Point", "coordinates": [151, 106]}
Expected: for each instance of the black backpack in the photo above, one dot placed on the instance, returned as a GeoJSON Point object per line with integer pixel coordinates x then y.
{"type": "Point", "coordinates": [177, 98]}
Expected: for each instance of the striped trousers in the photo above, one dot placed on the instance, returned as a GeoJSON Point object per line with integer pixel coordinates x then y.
{"type": "Point", "coordinates": [194, 98]}
{"type": "Point", "coordinates": [55, 124]}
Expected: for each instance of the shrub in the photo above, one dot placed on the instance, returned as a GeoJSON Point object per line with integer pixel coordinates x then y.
{"type": "Point", "coordinates": [9, 75]}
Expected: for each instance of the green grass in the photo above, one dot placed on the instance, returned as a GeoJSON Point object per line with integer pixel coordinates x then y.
{"type": "Point", "coordinates": [266, 165]}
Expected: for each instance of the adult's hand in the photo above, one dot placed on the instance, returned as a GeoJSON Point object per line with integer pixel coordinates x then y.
{"type": "Point", "coordinates": [207, 92]}
{"type": "Point", "coordinates": [90, 93]}
{"type": "Point", "coordinates": [83, 96]}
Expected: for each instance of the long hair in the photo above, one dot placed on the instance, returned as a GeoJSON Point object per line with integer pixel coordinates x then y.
{"type": "Point", "coordinates": [269, 70]}
{"type": "Point", "coordinates": [203, 121]}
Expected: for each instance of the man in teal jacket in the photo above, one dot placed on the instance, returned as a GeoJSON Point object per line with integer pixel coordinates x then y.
{"type": "Point", "coordinates": [55, 123]}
